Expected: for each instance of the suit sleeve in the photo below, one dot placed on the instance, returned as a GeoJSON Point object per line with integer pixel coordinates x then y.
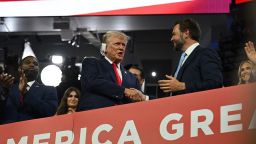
{"type": "Point", "coordinates": [93, 81]}
{"type": "Point", "coordinates": [43, 106]}
{"type": "Point", "coordinates": [210, 72]}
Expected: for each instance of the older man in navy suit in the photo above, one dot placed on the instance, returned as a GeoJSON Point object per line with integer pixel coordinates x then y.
{"type": "Point", "coordinates": [26, 99]}
{"type": "Point", "coordinates": [198, 69]}
{"type": "Point", "coordinates": [104, 81]}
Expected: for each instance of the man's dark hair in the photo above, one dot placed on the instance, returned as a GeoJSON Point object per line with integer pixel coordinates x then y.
{"type": "Point", "coordinates": [138, 68]}
{"type": "Point", "coordinates": [192, 26]}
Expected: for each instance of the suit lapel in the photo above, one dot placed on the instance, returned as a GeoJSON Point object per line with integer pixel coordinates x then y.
{"type": "Point", "coordinates": [33, 90]}
{"type": "Point", "coordinates": [187, 62]}
{"type": "Point", "coordinates": [124, 74]}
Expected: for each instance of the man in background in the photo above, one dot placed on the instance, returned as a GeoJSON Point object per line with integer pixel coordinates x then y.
{"type": "Point", "coordinates": [198, 69]}
{"type": "Point", "coordinates": [139, 74]}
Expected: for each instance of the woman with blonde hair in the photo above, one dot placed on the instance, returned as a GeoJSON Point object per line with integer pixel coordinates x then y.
{"type": "Point", "coordinates": [246, 72]}
{"type": "Point", "coordinates": [69, 101]}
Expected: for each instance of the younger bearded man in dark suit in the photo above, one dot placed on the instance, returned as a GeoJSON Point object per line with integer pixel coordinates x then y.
{"type": "Point", "coordinates": [199, 68]}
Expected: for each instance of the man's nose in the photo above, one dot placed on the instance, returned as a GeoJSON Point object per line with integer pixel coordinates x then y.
{"type": "Point", "coordinates": [31, 65]}
{"type": "Point", "coordinates": [122, 48]}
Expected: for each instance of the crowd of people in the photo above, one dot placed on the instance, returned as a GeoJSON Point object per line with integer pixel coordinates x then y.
{"type": "Point", "coordinates": [105, 82]}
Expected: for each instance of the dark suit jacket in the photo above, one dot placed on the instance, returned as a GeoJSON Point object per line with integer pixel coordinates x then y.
{"type": "Point", "coordinates": [40, 101]}
{"type": "Point", "coordinates": [98, 84]}
{"type": "Point", "coordinates": [2, 99]}
{"type": "Point", "coordinates": [201, 71]}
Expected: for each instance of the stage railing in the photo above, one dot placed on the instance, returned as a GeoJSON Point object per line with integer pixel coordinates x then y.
{"type": "Point", "coordinates": [220, 116]}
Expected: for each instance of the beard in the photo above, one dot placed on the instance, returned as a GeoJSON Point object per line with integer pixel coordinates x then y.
{"type": "Point", "coordinates": [179, 44]}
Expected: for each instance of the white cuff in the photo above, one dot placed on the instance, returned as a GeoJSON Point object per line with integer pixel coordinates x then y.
{"type": "Point", "coordinates": [147, 98]}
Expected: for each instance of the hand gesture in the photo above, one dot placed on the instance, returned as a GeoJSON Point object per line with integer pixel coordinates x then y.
{"type": "Point", "coordinates": [23, 82]}
{"type": "Point", "coordinates": [171, 84]}
{"type": "Point", "coordinates": [134, 94]}
{"type": "Point", "coordinates": [250, 51]}
{"type": "Point", "coordinates": [6, 80]}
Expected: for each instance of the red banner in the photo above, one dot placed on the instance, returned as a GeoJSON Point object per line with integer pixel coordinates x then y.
{"type": "Point", "coordinates": [225, 115]}
{"type": "Point", "coordinates": [242, 1]}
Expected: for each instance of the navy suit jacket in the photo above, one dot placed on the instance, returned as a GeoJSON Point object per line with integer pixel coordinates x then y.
{"type": "Point", "coordinates": [40, 101]}
{"type": "Point", "coordinates": [98, 85]}
{"type": "Point", "coordinates": [201, 71]}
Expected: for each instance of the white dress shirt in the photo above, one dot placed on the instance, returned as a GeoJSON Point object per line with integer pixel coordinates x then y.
{"type": "Point", "coordinates": [189, 51]}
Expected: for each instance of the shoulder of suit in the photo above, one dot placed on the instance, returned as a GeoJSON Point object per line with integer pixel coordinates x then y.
{"type": "Point", "coordinates": [90, 59]}
{"type": "Point", "coordinates": [205, 50]}
{"type": "Point", "coordinates": [37, 84]}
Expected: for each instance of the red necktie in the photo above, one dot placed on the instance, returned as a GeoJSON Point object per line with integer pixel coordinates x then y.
{"type": "Point", "coordinates": [22, 95]}
{"type": "Point", "coordinates": [118, 78]}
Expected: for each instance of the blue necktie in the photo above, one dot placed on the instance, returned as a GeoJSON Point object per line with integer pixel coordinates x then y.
{"type": "Point", "coordinates": [182, 58]}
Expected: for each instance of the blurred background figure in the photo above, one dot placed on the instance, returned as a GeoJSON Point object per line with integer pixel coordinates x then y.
{"type": "Point", "coordinates": [246, 72]}
{"type": "Point", "coordinates": [69, 101]}
{"type": "Point", "coordinates": [138, 72]}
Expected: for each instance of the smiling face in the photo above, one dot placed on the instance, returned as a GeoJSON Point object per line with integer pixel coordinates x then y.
{"type": "Point", "coordinates": [177, 38]}
{"type": "Point", "coordinates": [72, 99]}
{"type": "Point", "coordinates": [245, 73]}
{"type": "Point", "coordinates": [115, 49]}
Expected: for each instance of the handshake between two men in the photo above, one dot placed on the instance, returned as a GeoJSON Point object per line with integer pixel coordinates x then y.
{"type": "Point", "coordinates": [135, 94]}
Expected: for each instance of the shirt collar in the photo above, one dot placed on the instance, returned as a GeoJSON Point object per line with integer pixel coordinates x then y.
{"type": "Point", "coordinates": [191, 49]}
{"type": "Point", "coordinates": [118, 65]}
{"type": "Point", "coordinates": [31, 83]}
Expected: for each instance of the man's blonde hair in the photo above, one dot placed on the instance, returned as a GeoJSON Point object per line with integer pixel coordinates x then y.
{"type": "Point", "coordinates": [109, 34]}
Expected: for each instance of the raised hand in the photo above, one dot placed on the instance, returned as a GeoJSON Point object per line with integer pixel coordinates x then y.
{"type": "Point", "coordinates": [250, 51]}
{"type": "Point", "coordinates": [6, 80]}
{"type": "Point", "coordinates": [23, 82]}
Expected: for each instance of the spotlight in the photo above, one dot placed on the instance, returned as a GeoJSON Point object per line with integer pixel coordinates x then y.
{"type": "Point", "coordinates": [56, 59]}
{"type": "Point", "coordinates": [153, 74]}
{"type": "Point", "coordinates": [51, 75]}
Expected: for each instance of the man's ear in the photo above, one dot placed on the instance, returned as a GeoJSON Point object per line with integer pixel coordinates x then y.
{"type": "Point", "coordinates": [187, 33]}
